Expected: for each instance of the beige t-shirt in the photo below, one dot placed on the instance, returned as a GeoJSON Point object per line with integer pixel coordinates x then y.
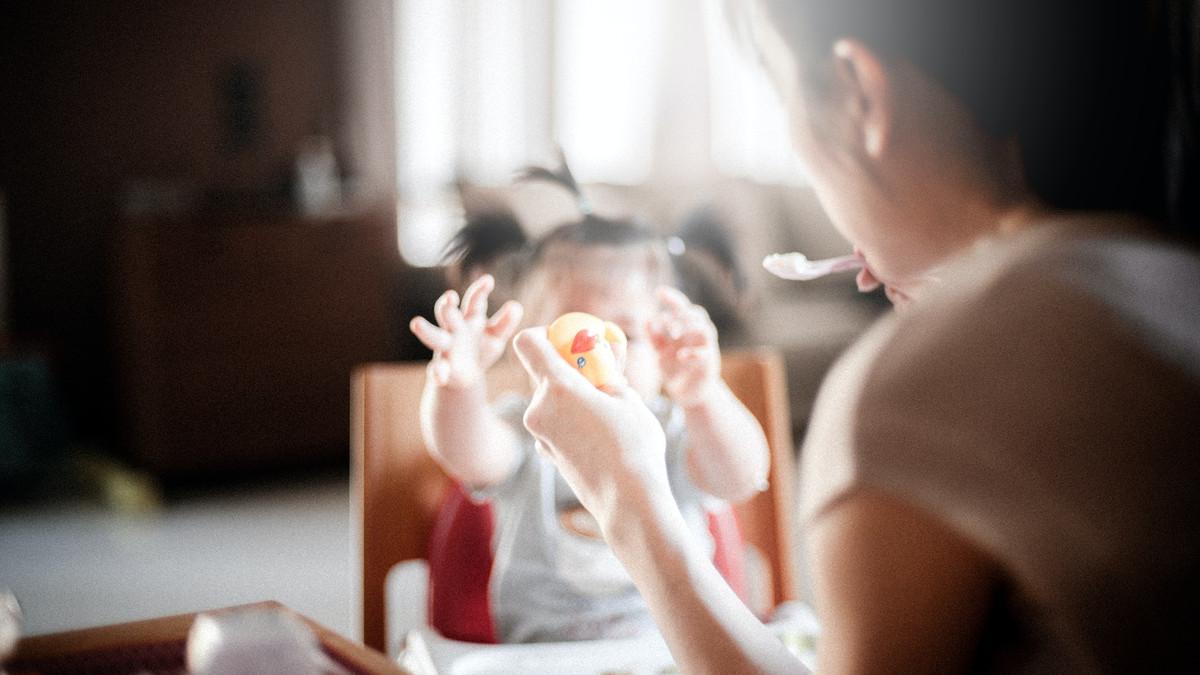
{"type": "Point", "coordinates": [1044, 403]}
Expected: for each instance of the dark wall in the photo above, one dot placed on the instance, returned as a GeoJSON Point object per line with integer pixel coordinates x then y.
{"type": "Point", "coordinates": [208, 96]}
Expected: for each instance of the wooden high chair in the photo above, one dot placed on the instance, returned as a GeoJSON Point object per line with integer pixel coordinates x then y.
{"type": "Point", "coordinates": [398, 488]}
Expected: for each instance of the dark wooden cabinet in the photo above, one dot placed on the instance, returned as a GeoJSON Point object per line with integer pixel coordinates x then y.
{"type": "Point", "coordinates": [236, 340]}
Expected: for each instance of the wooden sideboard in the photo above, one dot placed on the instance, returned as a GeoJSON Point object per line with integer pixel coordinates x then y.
{"type": "Point", "coordinates": [235, 340]}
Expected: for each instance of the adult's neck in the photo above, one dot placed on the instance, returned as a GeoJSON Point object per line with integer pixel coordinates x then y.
{"type": "Point", "coordinates": [982, 206]}
{"type": "Point", "coordinates": [962, 223]}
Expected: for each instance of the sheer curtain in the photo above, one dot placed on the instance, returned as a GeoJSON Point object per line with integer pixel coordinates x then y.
{"type": "Point", "coordinates": [473, 103]}
{"type": "Point", "coordinates": [607, 68]}
{"type": "Point", "coordinates": [634, 91]}
{"type": "Point", "coordinates": [749, 126]}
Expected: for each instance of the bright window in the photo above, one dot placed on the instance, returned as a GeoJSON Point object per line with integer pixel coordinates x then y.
{"type": "Point", "coordinates": [485, 87]}
{"type": "Point", "coordinates": [606, 85]}
{"type": "Point", "coordinates": [749, 125]}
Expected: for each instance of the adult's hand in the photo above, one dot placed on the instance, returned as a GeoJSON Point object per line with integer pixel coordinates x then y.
{"type": "Point", "coordinates": [609, 448]}
{"type": "Point", "coordinates": [606, 443]}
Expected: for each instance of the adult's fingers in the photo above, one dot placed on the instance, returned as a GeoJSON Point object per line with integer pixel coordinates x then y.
{"type": "Point", "coordinates": [621, 354]}
{"type": "Point", "coordinates": [474, 303]}
{"type": "Point", "coordinates": [539, 357]}
{"type": "Point", "coordinates": [541, 411]}
{"type": "Point", "coordinates": [506, 319]}
{"type": "Point", "coordinates": [446, 310]}
{"type": "Point", "coordinates": [619, 388]}
{"type": "Point", "coordinates": [628, 393]}
{"type": "Point", "coordinates": [430, 335]}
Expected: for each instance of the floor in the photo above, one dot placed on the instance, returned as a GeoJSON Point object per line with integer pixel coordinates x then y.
{"type": "Point", "coordinates": [74, 563]}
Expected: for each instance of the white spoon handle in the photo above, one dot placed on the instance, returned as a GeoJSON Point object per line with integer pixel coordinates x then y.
{"type": "Point", "coordinates": [797, 267]}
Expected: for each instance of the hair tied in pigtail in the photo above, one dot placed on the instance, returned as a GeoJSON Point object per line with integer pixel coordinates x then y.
{"type": "Point", "coordinates": [485, 238]}
{"type": "Point", "coordinates": [561, 177]}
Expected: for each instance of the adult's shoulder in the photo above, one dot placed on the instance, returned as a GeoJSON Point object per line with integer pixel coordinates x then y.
{"type": "Point", "coordinates": [1058, 338]}
{"type": "Point", "coordinates": [1068, 292]}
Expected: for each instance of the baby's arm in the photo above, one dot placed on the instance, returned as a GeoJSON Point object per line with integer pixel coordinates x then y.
{"type": "Point", "coordinates": [459, 427]}
{"type": "Point", "coordinates": [728, 455]}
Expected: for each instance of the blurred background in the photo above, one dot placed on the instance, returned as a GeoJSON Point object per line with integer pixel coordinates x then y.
{"type": "Point", "coordinates": [210, 212]}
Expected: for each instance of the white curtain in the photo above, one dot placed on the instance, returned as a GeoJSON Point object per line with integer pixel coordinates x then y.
{"type": "Point", "coordinates": [749, 126]}
{"type": "Point", "coordinates": [607, 67]}
{"type": "Point", "coordinates": [634, 91]}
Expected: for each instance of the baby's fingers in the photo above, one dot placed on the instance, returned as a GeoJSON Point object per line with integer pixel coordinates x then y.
{"type": "Point", "coordinates": [505, 320]}
{"type": "Point", "coordinates": [689, 355]}
{"type": "Point", "coordinates": [447, 312]}
{"type": "Point", "coordinates": [656, 331]}
{"type": "Point", "coordinates": [673, 299]}
{"type": "Point", "coordinates": [474, 303]}
{"type": "Point", "coordinates": [670, 326]}
{"type": "Point", "coordinates": [430, 335]}
{"type": "Point", "coordinates": [692, 338]}
{"type": "Point", "coordinates": [673, 331]}
{"type": "Point", "coordinates": [694, 328]}
{"type": "Point", "coordinates": [439, 370]}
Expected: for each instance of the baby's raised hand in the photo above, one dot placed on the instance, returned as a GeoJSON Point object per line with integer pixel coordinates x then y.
{"type": "Point", "coordinates": [466, 342]}
{"type": "Point", "coordinates": [686, 342]}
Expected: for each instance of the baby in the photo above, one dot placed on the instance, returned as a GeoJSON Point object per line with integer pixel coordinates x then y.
{"type": "Point", "coordinates": [553, 577]}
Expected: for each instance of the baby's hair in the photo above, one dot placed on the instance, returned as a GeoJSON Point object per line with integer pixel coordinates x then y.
{"type": "Point", "coordinates": [484, 239]}
{"type": "Point", "coordinates": [495, 242]}
{"type": "Point", "coordinates": [590, 229]}
{"type": "Point", "coordinates": [707, 270]}
{"type": "Point", "coordinates": [594, 231]}
{"type": "Point", "coordinates": [705, 229]}
{"type": "Point", "coordinates": [562, 178]}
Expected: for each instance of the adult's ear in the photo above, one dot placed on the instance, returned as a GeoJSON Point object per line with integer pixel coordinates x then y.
{"type": "Point", "coordinates": [863, 85]}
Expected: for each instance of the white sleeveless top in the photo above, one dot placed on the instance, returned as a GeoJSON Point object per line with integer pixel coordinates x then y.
{"type": "Point", "coordinates": [553, 576]}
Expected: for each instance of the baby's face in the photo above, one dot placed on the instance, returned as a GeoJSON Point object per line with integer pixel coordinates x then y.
{"type": "Point", "coordinates": [623, 295]}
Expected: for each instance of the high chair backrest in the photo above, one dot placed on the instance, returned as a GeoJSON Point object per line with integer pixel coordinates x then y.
{"type": "Point", "coordinates": [398, 489]}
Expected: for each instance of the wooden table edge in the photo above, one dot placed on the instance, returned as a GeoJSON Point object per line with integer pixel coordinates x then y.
{"type": "Point", "coordinates": [175, 628]}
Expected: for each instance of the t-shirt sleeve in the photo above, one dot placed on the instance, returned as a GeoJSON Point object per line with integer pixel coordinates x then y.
{"type": "Point", "coordinates": [972, 411]}
{"type": "Point", "coordinates": [1042, 417]}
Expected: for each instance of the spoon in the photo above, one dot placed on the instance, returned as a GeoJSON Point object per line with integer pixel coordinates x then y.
{"type": "Point", "coordinates": [797, 266]}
